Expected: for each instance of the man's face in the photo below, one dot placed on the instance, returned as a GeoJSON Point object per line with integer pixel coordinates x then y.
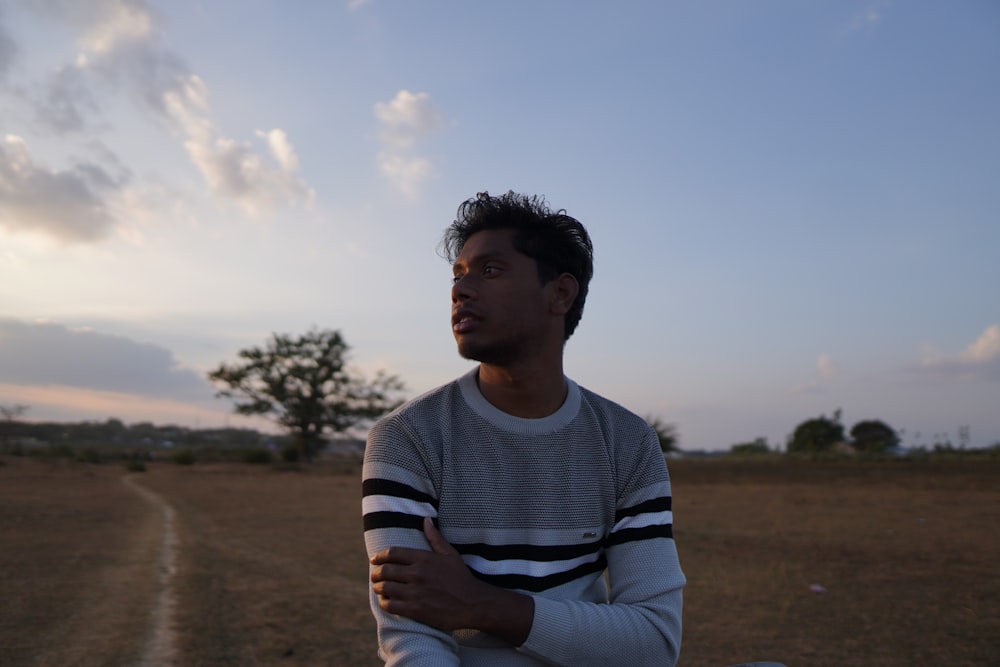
{"type": "Point", "coordinates": [500, 308]}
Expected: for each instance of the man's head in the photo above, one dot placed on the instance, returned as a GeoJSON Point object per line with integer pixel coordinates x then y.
{"type": "Point", "coordinates": [557, 243]}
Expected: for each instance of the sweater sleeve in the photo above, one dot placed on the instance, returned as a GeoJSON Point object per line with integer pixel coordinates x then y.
{"type": "Point", "coordinates": [397, 494]}
{"type": "Point", "coordinates": [641, 623]}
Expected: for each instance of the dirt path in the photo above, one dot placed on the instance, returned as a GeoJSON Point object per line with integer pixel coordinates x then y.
{"type": "Point", "coordinates": [160, 648]}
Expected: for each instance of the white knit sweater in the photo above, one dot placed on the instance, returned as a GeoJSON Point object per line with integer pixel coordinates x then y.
{"type": "Point", "coordinates": [541, 506]}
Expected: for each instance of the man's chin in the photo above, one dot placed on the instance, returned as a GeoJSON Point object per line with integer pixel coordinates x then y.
{"type": "Point", "coordinates": [484, 354]}
{"type": "Point", "coordinates": [470, 352]}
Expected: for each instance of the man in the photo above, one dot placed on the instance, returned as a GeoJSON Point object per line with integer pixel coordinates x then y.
{"type": "Point", "coordinates": [511, 516]}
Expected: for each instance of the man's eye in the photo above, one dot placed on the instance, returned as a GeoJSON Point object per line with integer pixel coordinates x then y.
{"type": "Point", "coordinates": [490, 270]}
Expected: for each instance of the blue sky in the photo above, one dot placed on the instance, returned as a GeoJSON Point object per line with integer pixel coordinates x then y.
{"type": "Point", "coordinates": [795, 206]}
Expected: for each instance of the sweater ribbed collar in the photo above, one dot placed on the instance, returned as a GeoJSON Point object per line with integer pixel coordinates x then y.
{"type": "Point", "coordinates": [550, 424]}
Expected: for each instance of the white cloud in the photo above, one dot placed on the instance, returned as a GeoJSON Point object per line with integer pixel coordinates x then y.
{"type": "Point", "coordinates": [120, 21]}
{"type": "Point", "coordinates": [985, 349]}
{"type": "Point", "coordinates": [281, 149]}
{"type": "Point", "coordinates": [120, 52]}
{"type": "Point", "coordinates": [403, 121]}
{"type": "Point", "coordinates": [406, 174]}
{"type": "Point", "coordinates": [69, 206]}
{"type": "Point", "coordinates": [406, 118]}
{"type": "Point", "coordinates": [978, 360]}
{"type": "Point", "coordinates": [234, 170]}
{"type": "Point", "coordinates": [826, 366]}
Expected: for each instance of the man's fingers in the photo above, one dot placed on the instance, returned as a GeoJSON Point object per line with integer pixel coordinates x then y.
{"type": "Point", "coordinates": [436, 539]}
{"type": "Point", "coordinates": [386, 573]}
{"type": "Point", "coordinates": [402, 555]}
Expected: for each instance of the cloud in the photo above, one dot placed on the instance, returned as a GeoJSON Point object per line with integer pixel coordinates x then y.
{"type": "Point", "coordinates": [869, 17]}
{"type": "Point", "coordinates": [282, 151]}
{"type": "Point", "coordinates": [69, 206]}
{"type": "Point", "coordinates": [8, 48]}
{"type": "Point", "coordinates": [407, 117]}
{"type": "Point", "coordinates": [66, 103]}
{"type": "Point", "coordinates": [986, 348]}
{"type": "Point", "coordinates": [978, 360]}
{"type": "Point", "coordinates": [403, 122]}
{"type": "Point", "coordinates": [405, 173]}
{"type": "Point", "coordinates": [120, 51]}
{"type": "Point", "coordinates": [120, 21]}
{"type": "Point", "coordinates": [46, 354]}
{"type": "Point", "coordinates": [826, 366]}
{"type": "Point", "coordinates": [234, 170]}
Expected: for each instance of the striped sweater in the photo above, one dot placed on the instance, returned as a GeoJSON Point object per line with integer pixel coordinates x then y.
{"type": "Point", "coordinates": [545, 507]}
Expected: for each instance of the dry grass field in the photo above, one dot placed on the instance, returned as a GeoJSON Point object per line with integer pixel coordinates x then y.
{"type": "Point", "coordinates": [269, 569]}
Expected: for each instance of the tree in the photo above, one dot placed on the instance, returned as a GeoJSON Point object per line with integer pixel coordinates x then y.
{"type": "Point", "coordinates": [873, 435]}
{"type": "Point", "coordinates": [756, 446]}
{"type": "Point", "coordinates": [819, 434]}
{"type": "Point", "coordinates": [304, 384]}
{"type": "Point", "coordinates": [10, 413]}
{"type": "Point", "coordinates": [666, 433]}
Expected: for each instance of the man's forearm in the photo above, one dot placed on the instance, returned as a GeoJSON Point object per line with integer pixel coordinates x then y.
{"type": "Point", "coordinates": [506, 615]}
{"type": "Point", "coordinates": [437, 588]}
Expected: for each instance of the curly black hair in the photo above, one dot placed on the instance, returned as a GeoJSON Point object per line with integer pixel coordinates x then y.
{"type": "Point", "coordinates": [557, 242]}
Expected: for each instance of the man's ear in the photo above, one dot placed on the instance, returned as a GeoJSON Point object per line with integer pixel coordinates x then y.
{"type": "Point", "coordinates": [564, 291]}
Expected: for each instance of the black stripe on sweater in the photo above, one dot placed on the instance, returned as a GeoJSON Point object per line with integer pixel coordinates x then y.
{"type": "Point", "coordinates": [535, 552]}
{"type": "Point", "coordinates": [661, 504]}
{"type": "Point", "coordinates": [637, 534]}
{"type": "Point", "coordinates": [376, 486]}
{"type": "Point", "coordinates": [526, 582]}
{"type": "Point", "coordinates": [374, 520]}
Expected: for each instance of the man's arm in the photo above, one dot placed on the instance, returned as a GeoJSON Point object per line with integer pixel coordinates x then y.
{"type": "Point", "coordinates": [641, 623]}
{"type": "Point", "coordinates": [436, 588]}
{"type": "Point", "coordinates": [397, 494]}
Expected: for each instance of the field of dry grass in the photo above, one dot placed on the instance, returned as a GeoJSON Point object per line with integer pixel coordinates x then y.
{"type": "Point", "coordinates": [270, 566]}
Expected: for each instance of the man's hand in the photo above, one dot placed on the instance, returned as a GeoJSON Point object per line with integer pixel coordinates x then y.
{"type": "Point", "coordinates": [436, 588]}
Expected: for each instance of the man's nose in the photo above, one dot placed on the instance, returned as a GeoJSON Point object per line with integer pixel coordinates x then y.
{"type": "Point", "coordinates": [462, 289]}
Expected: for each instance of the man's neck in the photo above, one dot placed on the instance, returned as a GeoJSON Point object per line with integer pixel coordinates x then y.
{"type": "Point", "coordinates": [528, 392]}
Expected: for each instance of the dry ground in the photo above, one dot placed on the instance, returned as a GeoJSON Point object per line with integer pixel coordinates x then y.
{"type": "Point", "coordinates": [907, 553]}
{"type": "Point", "coordinates": [270, 568]}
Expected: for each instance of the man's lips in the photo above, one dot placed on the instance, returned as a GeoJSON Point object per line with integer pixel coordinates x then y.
{"type": "Point", "coordinates": [463, 321]}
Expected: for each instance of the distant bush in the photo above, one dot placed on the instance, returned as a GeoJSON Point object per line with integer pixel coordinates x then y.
{"type": "Point", "coordinates": [183, 457]}
{"type": "Point", "coordinates": [257, 455]}
{"type": "Point", "coordinates": [135, 465]}
{"type": "Point", "coordinates": [290, 453]}
{"type": "Point", "coordinates": [758, 446]}
{"type": "Point", "coordinates": [818, 435]}
{"type": "Point", "coordinates": [873, 436]}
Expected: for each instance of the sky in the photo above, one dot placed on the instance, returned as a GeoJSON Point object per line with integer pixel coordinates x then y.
{"type": "Point", "coordinates": [795, 206]}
